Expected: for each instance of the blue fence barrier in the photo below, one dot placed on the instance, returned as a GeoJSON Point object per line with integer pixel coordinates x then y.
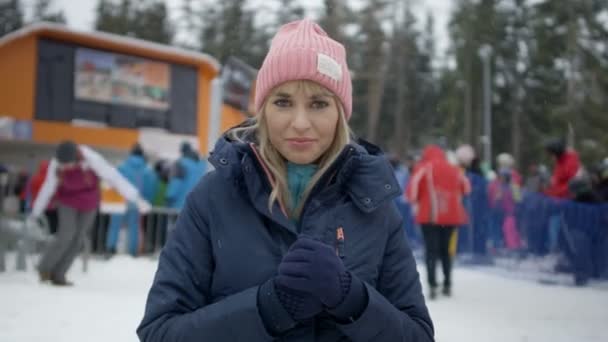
{"type": "Point", "coordinates": [537, 225]}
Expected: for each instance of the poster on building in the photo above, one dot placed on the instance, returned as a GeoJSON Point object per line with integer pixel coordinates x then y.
{"type": "Point", "coordinates": [121, 80]}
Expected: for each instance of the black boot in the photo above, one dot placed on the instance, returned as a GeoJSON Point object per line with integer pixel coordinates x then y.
{"type": "Point", "coordinates": [433, 293]}
{"type": "Point", "coordinates": [61, 282]}
{"type": "Point", "coordinates": [447, 291]}
{"type": "Point", "coordinates": [44, 276]}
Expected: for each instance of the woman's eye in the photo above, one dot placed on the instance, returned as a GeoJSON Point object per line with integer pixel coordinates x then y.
{"type": "Point", "coordinates": [319, 104]}
{"type": "Point", "coordinates": [282, 103]}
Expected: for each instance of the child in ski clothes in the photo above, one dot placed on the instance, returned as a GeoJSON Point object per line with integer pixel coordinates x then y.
{"type": "Point", "coordinates": [295, 235]}
{"type": "Point", "coordinates": [504, 194]}
{"type": "Point", "coordinates": [73, 177]}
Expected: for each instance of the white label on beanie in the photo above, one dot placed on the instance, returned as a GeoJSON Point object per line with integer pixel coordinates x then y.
{"type": "Point", "coordinates": [329, 67]}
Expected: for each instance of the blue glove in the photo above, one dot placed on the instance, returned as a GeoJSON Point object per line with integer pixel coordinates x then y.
{"type": "Point", "coordinates": [313, 267]}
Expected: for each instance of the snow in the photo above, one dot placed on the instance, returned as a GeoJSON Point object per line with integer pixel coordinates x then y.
{"type": "Point", "coordinates": [107, 303]}
{"type": "Point", "coordinates": [490, 307]}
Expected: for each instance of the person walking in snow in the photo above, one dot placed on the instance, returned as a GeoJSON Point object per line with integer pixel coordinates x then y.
{"type": "Point", "coordinates": [73, 178]}
{"type": "Point", "coordinates": [436, 191]}
{"type": "Point", "coordinates": [295, 235]}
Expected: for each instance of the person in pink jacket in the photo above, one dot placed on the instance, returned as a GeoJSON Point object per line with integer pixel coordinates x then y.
{"type": "Point", "coordinates": [73, 180]}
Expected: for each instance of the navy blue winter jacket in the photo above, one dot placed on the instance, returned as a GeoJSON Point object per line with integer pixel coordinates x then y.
{"type": "Point", "coordinates": [227, 243]}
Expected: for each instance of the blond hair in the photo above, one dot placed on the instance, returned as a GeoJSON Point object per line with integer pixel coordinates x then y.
{"type": "Point", "coordinates": [276, 163]}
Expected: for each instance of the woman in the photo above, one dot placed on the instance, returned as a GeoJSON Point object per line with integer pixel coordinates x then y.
{"type": "Point", "coordinates": [73, 178]}
{"type": "Point", "coordinates": [295, 235]}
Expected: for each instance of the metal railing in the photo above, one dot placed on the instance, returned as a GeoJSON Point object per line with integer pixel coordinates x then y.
{"type": "Point", "coordinates": [24, 235]}
{"type": "Point", "coordinates": [156, 225]}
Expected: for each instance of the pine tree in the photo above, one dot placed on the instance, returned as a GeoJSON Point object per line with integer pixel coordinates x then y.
{"type": "Point", "coordinates": [42, 12]}
{"type": "Point", "coordinates": [228, 29]}
{"type": "Point", "coordinates": [141, 19]}
{"type": "Point", "coordinates": [335, 16]}
{"type": "Point", "coordinates": [288, 11]}
{"type": "Point", "coordinates": [473, 24]}
{"type": "Point", "coordinates": [410, 94]}
{"type": "Point", "coordinates": [151, 22]}
{"type": "Point", "coordinates": [115, 18]}
{"type": "Point", "coordinates": [375, 49]}
{"type": "Point", "coordinates": [570, 73]}
{"type": "Point", "coordinates": [11, 16]}
{"type": "Point", "coordinates": [548, 71]}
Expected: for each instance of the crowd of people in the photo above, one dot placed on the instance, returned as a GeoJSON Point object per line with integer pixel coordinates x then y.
{"type": "Point", "coordinates": [500, 212]}
{"type": "Point", "coordinates": [66, 190]}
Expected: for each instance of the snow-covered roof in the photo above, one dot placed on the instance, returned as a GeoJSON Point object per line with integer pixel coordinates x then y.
{"type": "Point", "coordinates": [42, 28]}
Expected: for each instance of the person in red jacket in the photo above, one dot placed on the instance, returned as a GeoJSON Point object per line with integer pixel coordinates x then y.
{"type": "Point", "coordinates": [567, 165]}
{"type": "Point", "coordinates": [436, 191]}
{"type": "Point", "coordinates": [35, 185]}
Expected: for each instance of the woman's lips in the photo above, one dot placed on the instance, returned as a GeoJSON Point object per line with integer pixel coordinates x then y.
{"type": "Point", "coordinates": [300, 143]}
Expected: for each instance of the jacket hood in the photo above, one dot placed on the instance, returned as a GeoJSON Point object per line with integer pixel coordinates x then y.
{"type": "Point", "coordinates": [361, 169]}
{"type": "Point", "coordinates": [432, 152]}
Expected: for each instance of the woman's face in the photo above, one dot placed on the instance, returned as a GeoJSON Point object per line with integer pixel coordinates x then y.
{"type": "Point", "coordinates": [301, 118]}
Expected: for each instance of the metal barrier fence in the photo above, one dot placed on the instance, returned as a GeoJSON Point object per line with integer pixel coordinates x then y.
{"type": "Point", "coordinates": [574, 234]}
{"type": "Point", "coordinates": [155, 225]}
{"type": "Point", "coordinates": [532, 224]}
{"type": "Point", "coordinates": [159, 223]}
{"type": "Point", "coordinates": [25, 236]}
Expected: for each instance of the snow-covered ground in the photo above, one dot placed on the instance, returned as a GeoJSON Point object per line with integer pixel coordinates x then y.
{"type": "Point", "coordinates": [107, 303]}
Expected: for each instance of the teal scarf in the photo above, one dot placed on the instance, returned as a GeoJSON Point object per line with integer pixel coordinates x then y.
{"type": "Point", "coordinates": [298, 177]}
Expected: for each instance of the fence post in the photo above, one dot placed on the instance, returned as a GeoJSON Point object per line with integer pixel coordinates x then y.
{"type": "Point", "coordinates": [100, 241]}
{"type": "Point", "coordinates": [21, 264]}
{"type": "Point", "coordinates": [158, 230]}
{"type": "Point", "coordinates": [2, 256]}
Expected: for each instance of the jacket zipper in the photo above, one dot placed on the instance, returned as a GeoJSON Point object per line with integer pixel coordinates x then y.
{"type": "Point", "coordinates": [322, 181]}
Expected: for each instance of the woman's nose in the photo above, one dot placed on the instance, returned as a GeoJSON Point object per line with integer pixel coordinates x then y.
{"type": "Point", "coordinates": [301, 120]}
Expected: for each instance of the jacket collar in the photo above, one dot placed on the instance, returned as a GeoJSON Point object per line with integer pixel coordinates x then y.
{"type": "Point", "coordinates": [370, 182]}
{"type": "Point", "coordinates": [362, 170]}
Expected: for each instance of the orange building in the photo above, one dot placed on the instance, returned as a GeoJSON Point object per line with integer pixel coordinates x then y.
{"type": "Point", "coordinates": [104, 90]}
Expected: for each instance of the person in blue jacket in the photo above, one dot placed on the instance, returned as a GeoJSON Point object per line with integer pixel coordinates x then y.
{"type": "Point", "coordinates": [295, 235]}
{"type": "Point", "coordinates": [136, 170]}
{"type": "Point", "coordinates": [186, 173]}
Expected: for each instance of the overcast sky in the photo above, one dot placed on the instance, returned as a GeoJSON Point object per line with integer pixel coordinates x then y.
{"type": "Point", "coordinates": [81, 14]}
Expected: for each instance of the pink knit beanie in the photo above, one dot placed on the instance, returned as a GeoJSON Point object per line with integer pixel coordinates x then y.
{"type": "Point", "coordinates": [301, 50]}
